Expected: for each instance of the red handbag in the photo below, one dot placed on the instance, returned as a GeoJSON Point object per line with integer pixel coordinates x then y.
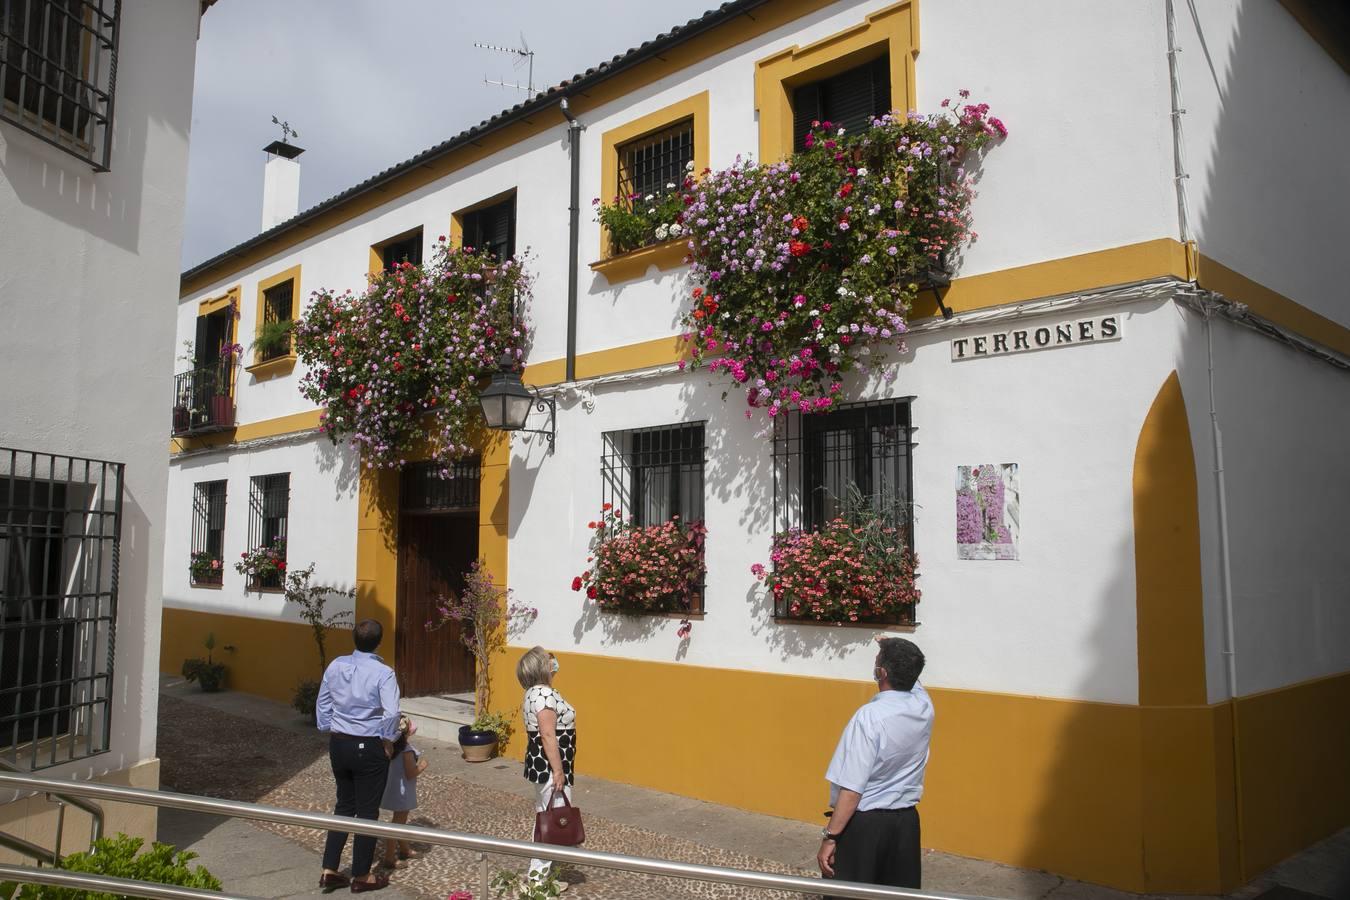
{"type": "Point", "coordinates": [559, 825]}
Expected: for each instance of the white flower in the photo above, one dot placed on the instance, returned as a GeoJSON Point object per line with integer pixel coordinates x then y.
{"type": "Point", "coordinates": [834, 349]}
{"type": "Point", "coordinates": [841, 132]}
{"type": "Point", "coordinates": [843, 291]}
{"type": "Point", "coordinates": [689, 166]}
{"type": "Point", "coordinates": [814, 313]}
{"type": "Point", "coordinates": [842, 329]}
{"type": "Point", "coordinates": [662, 232]}
{"type": "Point", "coordinates": [652, 211]}
{"type": "Point", "coordinates": [675, 229]}
{"type": "Point", "coordinates": [670, 185]}
{"type": "Point", "coordinates": [862, 173]}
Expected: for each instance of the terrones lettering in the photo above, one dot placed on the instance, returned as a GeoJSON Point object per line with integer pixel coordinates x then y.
{"type": "Point", "coordinates": [1091, 330]}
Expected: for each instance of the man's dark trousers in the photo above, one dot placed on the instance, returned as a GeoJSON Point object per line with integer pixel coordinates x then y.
{"type": "Point", "coordinates": [880, 846]}
{"type": "Point", "coordinates": [360, 768]}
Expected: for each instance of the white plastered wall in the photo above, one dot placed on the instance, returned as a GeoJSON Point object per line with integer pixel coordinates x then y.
{"type": "Point", "coordinates": [89, 263]}
{"type": "Point", "coordinates": [1266, 140]}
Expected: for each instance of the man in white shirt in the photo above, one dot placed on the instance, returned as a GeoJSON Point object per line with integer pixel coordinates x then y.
{"type": "Point", "coordinates": [876, 777]}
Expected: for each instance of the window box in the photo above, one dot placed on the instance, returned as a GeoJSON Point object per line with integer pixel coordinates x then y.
{"type": "Point", "coordinates": [634, 264]}
{"type": "Point", "coordinates": [272, 368]}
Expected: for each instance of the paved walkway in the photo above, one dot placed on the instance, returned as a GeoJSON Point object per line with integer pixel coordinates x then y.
{"type": "Point", "coordinates": [243, 747]}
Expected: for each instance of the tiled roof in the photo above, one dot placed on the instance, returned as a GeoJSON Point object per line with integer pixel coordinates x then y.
{"type": "Point", "coordinates": [550, 97]}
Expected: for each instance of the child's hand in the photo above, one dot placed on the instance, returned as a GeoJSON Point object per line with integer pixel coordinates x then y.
{"type": "Point", "coordinates": [421, 766]}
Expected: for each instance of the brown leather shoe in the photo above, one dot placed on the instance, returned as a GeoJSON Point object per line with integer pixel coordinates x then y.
{"type": "Point", "coordinates": [332, 880]}
{"type": "Point", "coordinates": [360, 885]}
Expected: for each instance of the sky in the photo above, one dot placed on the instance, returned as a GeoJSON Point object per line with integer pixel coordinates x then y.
{"type": "Point", "coordinates": [369, 83]}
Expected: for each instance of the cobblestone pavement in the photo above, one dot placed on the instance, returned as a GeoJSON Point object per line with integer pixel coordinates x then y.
{"type": "Point", "coordinates": [213, 753]}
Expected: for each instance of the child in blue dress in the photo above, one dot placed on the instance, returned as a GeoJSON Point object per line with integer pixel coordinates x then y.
{"type": "Point", "coordinates": [400, 790]}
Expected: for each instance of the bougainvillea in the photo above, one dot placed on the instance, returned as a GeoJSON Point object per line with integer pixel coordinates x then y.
{"type": "Point", "coordinates": [804, 269]}
{"type": "Point", "coordinates": [643, 568]}
{"type": "Point", "coordinates": [405, 359]}
{"type": "Point", "coordinates": [848, 571]}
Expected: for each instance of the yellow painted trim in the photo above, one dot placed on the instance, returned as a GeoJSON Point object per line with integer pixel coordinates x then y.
{"type": "Point", "coordinates": [457, 217]}
{"type": "Point", "coordinates": [1276, 307]}
{"type": "Point", "coordinates": [264, 284]}
{"type": "Point", "coordinates": [893, 30]}
{"type": "Point", "coordinates": [216, 304]}
{"type": "Point", "coordinates": [695, 107]}
{"type": "Point", "coordinates": [292, 424]}
{"type": "Point", "coordinates": [270, 656]}
{"type": "Point", "coordinates": [1169, 596]}
{"type": "Point", "coordinates": [272, 368]}
{"type": "Point", "coordinates": [634, 264]}
{"type": "Point", "coordinates": [710, 43]}
{"type": "Point", "coordinates": [376, 262]}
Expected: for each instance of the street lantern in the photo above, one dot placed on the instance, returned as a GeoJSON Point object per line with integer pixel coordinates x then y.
{"type": "Point", "coordinates": [506, 403]}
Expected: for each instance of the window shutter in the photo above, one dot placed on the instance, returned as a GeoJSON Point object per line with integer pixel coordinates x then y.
{"type": "Point", "coordinates": [805, 110]}
{"type": "Point", "coordinates": [201, 345]}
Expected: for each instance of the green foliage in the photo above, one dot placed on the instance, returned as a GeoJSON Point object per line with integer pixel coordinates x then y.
{"type": "Point", "coordinates": [206, 672]}
{"type": "Point", "coordinates": [306, 699]}
{"type": "Point", "coordinates": [636, 221]}
{"type": "Point", "coordinates": [119, 857]}
{"type": "Point", "coordinates": [312, 598]}
{"type": "Point", "coordinates": [273, 339]}
{"type": "Point", "coordinates": [520, 884]}
{"type": "Point", "coordinates": [494, 722]}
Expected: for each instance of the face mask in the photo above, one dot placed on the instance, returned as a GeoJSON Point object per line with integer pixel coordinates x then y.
{"type": "Point", "coordinates": [555, 666]}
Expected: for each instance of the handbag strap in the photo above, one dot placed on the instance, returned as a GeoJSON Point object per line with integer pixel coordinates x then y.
{"type": "Point", "coordinates": [553, 793]}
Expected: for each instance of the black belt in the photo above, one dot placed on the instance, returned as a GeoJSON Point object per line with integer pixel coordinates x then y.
{"type": "Point", "coordinates": [355, 737]}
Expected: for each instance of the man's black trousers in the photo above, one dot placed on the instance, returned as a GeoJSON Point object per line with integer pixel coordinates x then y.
{"type": "Point", "coordinates": [360, 768]}
{"type": "Point", "coordinates": [880, 846]}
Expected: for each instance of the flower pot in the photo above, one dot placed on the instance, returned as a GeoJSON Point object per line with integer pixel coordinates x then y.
{"type": "Point", "coordinates": [222, 410]}
{"type": "Point", "coordinates": [212, 679]}
{"type": "Point", "coordinates": [477, 746]}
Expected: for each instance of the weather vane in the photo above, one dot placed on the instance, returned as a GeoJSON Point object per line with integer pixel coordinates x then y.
{"type": "Point", "coordinates": [287, 132]}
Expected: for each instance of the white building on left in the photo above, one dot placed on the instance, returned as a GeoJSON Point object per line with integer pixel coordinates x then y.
{"type": "Point", "coordinates": [95, 110]}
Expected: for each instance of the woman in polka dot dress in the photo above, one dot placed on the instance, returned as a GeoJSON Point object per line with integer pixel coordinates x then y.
{"type": "Point", "coordinates": [551, 725]}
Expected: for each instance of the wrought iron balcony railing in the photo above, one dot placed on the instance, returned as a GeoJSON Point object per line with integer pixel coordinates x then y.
{"type": "Point", "coordinates": [203, 400]}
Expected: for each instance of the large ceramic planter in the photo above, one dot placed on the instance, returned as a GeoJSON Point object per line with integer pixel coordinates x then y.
{"type": "Point", "coordinates": [477, 746]}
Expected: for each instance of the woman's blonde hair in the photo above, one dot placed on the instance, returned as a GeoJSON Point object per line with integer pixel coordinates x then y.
{"type": "Point", "coordinates": [535, 667]}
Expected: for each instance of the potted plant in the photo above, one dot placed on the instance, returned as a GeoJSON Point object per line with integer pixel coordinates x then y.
{"type": "Point", "coordinates": [264, 566]}
{"type": "Point", "coordinates": [206, 568]}
{"type": "Point", "coordinates": [206, 672]}
{"type": "Point", "coordinates": [312, 598]}
{"type": "Point", "coordinates": [485, 614]}
{"type": "Point", "coordinates": [273, 339]}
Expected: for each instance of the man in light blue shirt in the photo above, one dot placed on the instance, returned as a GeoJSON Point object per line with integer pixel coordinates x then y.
{"type": "Point", "coordinates": [876, 777]}
{"type": "Point", "coordinates": [358, 706]}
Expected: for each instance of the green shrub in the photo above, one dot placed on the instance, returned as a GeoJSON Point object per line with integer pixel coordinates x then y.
{"type": "Point", "coordinates": [117, 856]}
{"type": "Point", "coordinates": [306, 699]}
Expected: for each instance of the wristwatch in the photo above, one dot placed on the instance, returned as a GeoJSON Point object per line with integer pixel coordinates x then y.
{"type": "Point", "coordinates": [826, 836]}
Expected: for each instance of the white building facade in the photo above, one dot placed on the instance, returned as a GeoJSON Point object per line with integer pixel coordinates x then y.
{"type": "Point", "coordinates": [1155, 667]}
{"type": "Point", "coordinates": [93, 172]}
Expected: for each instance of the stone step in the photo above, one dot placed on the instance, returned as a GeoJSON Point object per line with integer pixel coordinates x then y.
{"type": "Point", "coordinates": [439, 717]}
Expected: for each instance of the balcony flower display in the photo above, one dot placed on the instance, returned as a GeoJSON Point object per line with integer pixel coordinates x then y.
{"type": "Point", "coordinates": [806, 269]}
{"type": "Point", "coordinates": [404, 360]}
{"type": "Point", "coordinates": [637, 220]}
{"type": "Point", "coordinates": [643, 568]}
{"type": "Point", "coordinates": [205, 567]}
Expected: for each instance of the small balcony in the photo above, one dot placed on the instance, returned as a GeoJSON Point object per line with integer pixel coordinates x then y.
{"type": "Point", "coordinates": [203, 401]}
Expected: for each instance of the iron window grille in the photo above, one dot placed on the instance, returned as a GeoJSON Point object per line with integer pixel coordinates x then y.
{"type": "Point", "coordinates": [58, 71]}
{"type": "Point", "coordinates": [849, 100]}
{"type": "Point", "coordinates": [60, 533]}
{"type": "Point", "coordinates": [433, 488]}
{"type": "Point", "coordinates": [656, 474]}
{"type": "Point", "coordinates": [269, 501]}
{"type": "Point", "coordinates": [648, 164]}
{"type": "Point", "coordinates": [278, 307]}
{"type": "Point", "coordinates": [408, 249]}
{"type": "Point", "coordinates": [819, 459]}
{"type": "Point", "coordinates": [208, 526]}
{"type": "Point", "coordinates": [492, 228]}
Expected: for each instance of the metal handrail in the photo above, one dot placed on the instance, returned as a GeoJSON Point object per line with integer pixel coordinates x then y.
{"type": "Point", "coordinates": [475, 842]}
{"type": "Point", "coordinates": [107, 884]}
{"type": "Point", "coordinates": [19, 845]}
{"type": "Point", "coordinates": [26, 848]}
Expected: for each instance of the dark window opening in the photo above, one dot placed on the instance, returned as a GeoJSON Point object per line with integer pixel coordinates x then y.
{"type": "Point", "coordinates": [269, 503]}
{"type": "Point", "coordinates": [58, 63]}
{"type": "Point", "coordinates": [431, 487]}
{"type": "Point", "coordinates": [208, 530]}
{"type": "Point", "coordinates": [849, 100]}
{"type": "Point", "coordinates": [649, 165]}
{"type": "Point", "coordinates": [278, 302]}
{"type": "Point", "coordinates": [492, 228]}
{"type": "Point", "coordinates": [403, 250]}
{"type": "Point", "coordinates": [60, 530]}
{"type": "Point", "coordinates": [820, 460]}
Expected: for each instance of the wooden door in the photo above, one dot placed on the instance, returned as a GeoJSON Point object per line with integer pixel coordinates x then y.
{"type": "Point", "coordinates": [435, 550]}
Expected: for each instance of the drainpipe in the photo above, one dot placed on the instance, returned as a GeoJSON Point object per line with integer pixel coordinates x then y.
{"type": "Point", "coordinates": [573, 235]}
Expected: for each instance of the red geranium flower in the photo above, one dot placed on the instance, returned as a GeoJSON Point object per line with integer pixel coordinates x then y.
{"type": "Point", "coordinates": [799, 248]}
{"type": "Point", "coordinates": [576, 583]}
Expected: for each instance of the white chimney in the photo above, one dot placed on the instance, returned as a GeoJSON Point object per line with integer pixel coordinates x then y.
{"type": "Point", "coordinates": [281, 184]}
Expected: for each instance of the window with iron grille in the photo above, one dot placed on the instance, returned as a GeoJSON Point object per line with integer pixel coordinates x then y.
{"type": "Point", "coordinates": [820, 459]}
{"type": "Point", "coordinates": [406, 249]}
{"type": "Point", "coordinates": [58, 67]}
{"type": "Point", "coordinates": [277, 309]}
{"type": "Point", "coordinates": [60, 532]}
{"type": "Point", "coordinates": [492, 228]}
{"type": "Point", "coordinates": [269, 501]}
{"type": "Point", "coordinates": [647, 165]}
{"type": "Point", "coordinates": [208, 530]}
{"type": "Point", "coordinates": [849, 100]}
{"type": "Point", "coordinates": [432, 487]}
{"type": "Point", "coordinates": [655, 474]}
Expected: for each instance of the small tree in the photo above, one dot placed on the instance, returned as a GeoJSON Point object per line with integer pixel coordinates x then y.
{"type": "Point", "coordinates": [312, 600]}
{"type": "Point", "coordinates": [485, 614]}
